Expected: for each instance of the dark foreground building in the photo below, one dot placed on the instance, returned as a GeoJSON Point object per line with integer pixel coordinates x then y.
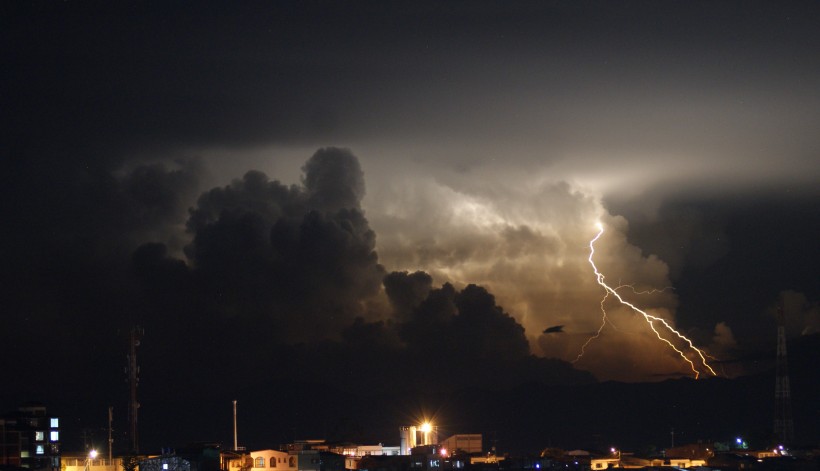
{"type": "Point", "coordinates": [30, 438]}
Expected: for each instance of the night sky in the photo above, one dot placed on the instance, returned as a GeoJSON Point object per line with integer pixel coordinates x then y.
{"type": "Point", "coordinates": [390, 196]}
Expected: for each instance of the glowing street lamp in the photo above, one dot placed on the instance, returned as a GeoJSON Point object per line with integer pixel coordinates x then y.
{"type": "Point", "coordinates": [92, 454]}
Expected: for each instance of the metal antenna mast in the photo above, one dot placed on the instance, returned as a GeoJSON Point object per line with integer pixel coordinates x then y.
{"type": "Point", "coordinates": [235, 440]}
{"type": "Point", "coordinates": [783, 422]}
{"type": "Point", "coordinates": [110, 437]}
{"type": "Point", "coordinates": [133, 381]}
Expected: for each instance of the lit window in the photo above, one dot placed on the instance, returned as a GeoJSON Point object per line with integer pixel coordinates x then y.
{"type": "Point", "coordinates": [39, 436]}
{"type": "Point", "coordinates": [40, 450]}
{"type": "Point", "coordinates": [55, 422]}
{"type": "Point", "coordinates": [54, 436]}
{"type": "Point", "coordinates": [24, 454]}
{"type": "Point", "coordinates": [260, 462]}
{"type": "Point", "coordinates": [164, 465]}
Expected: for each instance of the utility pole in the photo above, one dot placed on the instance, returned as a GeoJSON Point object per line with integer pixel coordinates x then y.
{"type": "Point", "coordinates": [783, 422]}
{"type": "Point", "coordinates": [133, 381]}
{"type": "Point", "coordinates": [235, 438]}
{"type": "Point", "coordinates": [110, 437]}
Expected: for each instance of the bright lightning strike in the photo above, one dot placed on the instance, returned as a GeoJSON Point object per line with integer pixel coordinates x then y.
{"type": "Point", "coordinates": [650, 319]}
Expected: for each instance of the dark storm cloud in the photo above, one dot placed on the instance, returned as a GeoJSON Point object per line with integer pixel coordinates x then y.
{"type": "Point", "coordinates": [407, 290]}
{"type": "Point", "coordinates": [467, 334]}
{"type": "Point", "coordinates": [297, 265]}
{"type": "Point", "coordinates": [334, 180]}
{"type": "Point", "coordinates": [301, 256]}
{"type": "Point", "coordinates": [730, 258]}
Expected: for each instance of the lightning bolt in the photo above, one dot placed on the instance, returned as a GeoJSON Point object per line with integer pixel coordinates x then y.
{"type": "Point", "coordinates": [604, 320]}
{"type": "Point", "coordinates": [654, 322]}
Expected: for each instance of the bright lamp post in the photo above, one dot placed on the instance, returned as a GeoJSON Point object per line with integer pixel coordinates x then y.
{"type": "Point", "coordinates": [92, 454]}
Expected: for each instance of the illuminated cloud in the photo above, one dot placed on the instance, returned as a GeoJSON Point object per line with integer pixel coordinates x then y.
{"type": "Point", "coordinates": [528, 244]}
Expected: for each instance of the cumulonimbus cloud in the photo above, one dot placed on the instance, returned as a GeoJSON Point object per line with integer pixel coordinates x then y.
{"type": "Point", "coordinates": [528, 243]}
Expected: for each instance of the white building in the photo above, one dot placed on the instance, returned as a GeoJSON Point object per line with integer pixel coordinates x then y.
{"type": "Point", "coordinates": [269, 459]}
{"type": "Point", "coordinates": [413, 436]}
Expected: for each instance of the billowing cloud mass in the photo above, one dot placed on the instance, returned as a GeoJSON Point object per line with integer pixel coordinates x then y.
{"type": "Point", "coordinates": [300, 263]}
{"type": "Point", "coordinates": [528, 243]}
{"type": "Point", "coordinates": [301, 257]}
{"type": "Point", "coordinates": [297, 265]}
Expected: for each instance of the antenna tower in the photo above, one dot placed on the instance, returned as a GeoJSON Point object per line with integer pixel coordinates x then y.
{"type": "Point", "coordinates": [783, 422]}
{"type": "Point", "coordinates": [133, 382]}
{"type": "Point", "coordinates": [110, 437]}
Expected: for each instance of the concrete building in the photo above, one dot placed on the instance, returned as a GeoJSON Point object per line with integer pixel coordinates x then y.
{"type": "Point", "coordinates": [412, 436]}
{"type": "Point", "coordinates": [10, 444]}
{"type": "Point", "coordinates": [30, 439]}
{"type": "Point", "coordinates": [597, 464]}
{"type": "Point", "coordinates": [315, 460]}
{"type": "Point", "coordinates": [196, 457]}
{"type": "Point", "coordinates": [86, 462]}
{"type": "Point", "coordinates": [272, 460]}
{"type": "Point", "coordinates": [468, 443]}
{"type": "Point", "coordinates": [303, 455]}
{"type": "Point", "coordinates": [353, 454]}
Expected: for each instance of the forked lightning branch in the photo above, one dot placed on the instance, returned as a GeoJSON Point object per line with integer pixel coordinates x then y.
{"type": "Point", "coordinates": [662, 329]}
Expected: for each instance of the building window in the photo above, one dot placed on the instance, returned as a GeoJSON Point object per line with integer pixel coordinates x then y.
{"type": "Point", "coordinates": [55, 422]}
{"type": "Point", "coordinates": [291, 462]}
{"type": "Point", "coordinates": [260, 462]}
{"type": "Point", "coordinates": [272, 461]}
{"type": "Point", "coordinates": [40, 450]}
{"type": "Point", "coordinates": [39, 436]}
{"type": "Point", "coordinates": [54, 436]}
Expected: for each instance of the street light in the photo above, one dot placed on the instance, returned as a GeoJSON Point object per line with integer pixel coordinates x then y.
{"type": "Point", "coordinates": [92, 454]}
